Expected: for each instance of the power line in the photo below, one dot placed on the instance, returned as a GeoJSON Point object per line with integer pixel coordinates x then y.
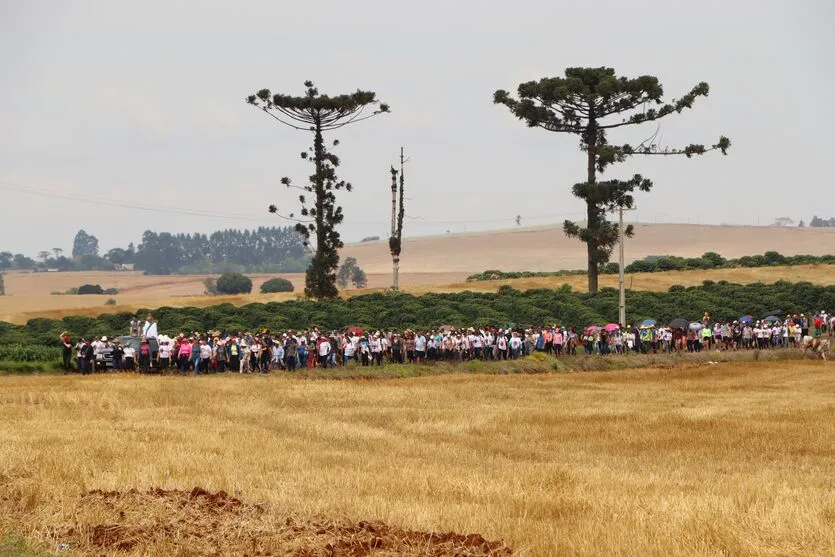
{"type": "Point", "coordinates": [106, 201]}
{"type": "Point", "coordinates": [103, 201]}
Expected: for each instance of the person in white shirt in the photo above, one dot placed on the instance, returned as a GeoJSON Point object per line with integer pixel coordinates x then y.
{"type": "Point", "coordinates": [255, 355]}
{"type": "Point", "coordinates": [324, 352]}
{"type": "Point", "coordinates": [130, 358]}
{"type": "Point", "coordinates": [348, 350]}
{"type": "Point", "coordinates": [376, 350]}
{"type": "Point", "coordinates": [164, 355]}
{"type": "Point", "coordinates": [501, 346]}
{"type": "Point", "coordinates": [149, 331]}
{"type": "Point", "coordinates": [420, 348]}
{"type": "Point", "coordinates": [278, 354]}
{"type": "Point", "coordinates": [515, 345]}
{"type": "Point", "coordinates": [205, 356]}
{"type": "Point", "coordinates": [478, 345]}
{"type": "Point", "coordinates": [489, 343]}
{"type": "Point", "coordinates": [385, 344]}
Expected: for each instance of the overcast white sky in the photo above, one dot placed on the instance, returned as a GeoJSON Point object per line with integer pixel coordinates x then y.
{"type": "Point", "coordinates": [142, 103]}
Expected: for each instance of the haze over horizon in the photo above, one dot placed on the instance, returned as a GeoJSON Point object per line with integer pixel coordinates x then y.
{"type": "Point", "coordinates": [111, 107]}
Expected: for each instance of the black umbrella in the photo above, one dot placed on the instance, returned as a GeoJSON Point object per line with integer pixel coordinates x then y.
{"type": "Point", "coordinates": [679, 323]}
{"type": "Point", "coordinates": [775, 313]}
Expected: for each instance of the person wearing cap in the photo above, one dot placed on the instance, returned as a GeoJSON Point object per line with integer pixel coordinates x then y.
{"type": "Point", "coordinates": [277, 354]}
{"type": "Point", "coordinates": [165, 350]}
{"type": "Point", "coordinates": [364, 350]}
{"type": "Point", "coordinates": [219, 355]}
{"type": "Point", "coordinates": [376, 349]}
{"type": "Point", "coordinates": [183, 355]}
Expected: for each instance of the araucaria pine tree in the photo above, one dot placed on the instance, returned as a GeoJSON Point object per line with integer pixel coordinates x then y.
{"type": "Point", "coordinates": [318, 113]}
{"type": "Point", "coordinates": [397, 213]}
{"type": "Point", "coordinates": [588, 102]}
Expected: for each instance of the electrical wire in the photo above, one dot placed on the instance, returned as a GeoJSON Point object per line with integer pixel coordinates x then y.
{"type": "Point", "coordinates": [106, 201]}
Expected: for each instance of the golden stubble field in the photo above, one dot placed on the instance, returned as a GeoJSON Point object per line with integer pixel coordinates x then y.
{"type": "Point", "coordinates": [733, 459]}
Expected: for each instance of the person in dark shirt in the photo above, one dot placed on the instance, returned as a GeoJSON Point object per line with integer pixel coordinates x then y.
{"type": "Point", "coordinates": [89, 358]}
{"type": "Point", "coordinates": [118, 353]}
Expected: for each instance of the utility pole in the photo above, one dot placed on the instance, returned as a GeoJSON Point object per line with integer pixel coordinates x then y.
{"type": "Point", "coordinates": [622, 289]}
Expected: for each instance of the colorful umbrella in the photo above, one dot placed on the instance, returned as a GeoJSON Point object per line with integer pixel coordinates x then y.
{"type": "Point", "coordinates": [611, 327]}
{"type": "Point", "coordinates": [648, 323]}
{"type": "Point", "coordinates": [746, 319]}
{"type": "Point", "coordinates": [591, 328]}
{"type": "Point", "coordinates": [355, 331]}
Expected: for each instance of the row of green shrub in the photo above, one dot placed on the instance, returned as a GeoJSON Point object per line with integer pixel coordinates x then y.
{"type": "Point", "coordinates": [657, 264]}
{"type": "Point", "coordinates": [722, 300]}
{"type": "Point", "coordinates": [30, 352]}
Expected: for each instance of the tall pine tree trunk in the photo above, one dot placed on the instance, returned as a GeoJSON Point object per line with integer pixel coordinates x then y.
{"type": "Point", "coordinates": [591, 208]}
{"type": "Point", "coordinates": [315, 281]}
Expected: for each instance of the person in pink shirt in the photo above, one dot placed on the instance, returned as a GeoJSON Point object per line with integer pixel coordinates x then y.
{"type": "Point", "coordinates": [549, 341]}
{"type": "Point", "coordinates": [558, 341]}
{"type": "Point", "coordinates": [184, 355]}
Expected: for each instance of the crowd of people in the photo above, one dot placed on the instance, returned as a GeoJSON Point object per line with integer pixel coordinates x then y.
{"type": "Point", "coordinates": [144, 349]}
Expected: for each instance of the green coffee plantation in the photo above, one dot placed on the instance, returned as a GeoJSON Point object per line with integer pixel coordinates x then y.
{"type": "Point", "coordinates": [723, 300]}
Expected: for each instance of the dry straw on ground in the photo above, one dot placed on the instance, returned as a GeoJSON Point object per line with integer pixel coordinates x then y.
{"type": "Point", "coordinates": [730, 459]}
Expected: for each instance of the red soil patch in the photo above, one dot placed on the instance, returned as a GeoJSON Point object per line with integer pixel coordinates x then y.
{"type": "Point", "coordinates": [198, 522]}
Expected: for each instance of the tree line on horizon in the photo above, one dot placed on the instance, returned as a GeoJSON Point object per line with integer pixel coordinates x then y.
{"type": "Point", "coordinates": [263, 249]}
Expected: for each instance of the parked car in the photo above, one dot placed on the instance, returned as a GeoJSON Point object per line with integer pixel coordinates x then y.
{"type": "Point", "coordinates": [104, 359]}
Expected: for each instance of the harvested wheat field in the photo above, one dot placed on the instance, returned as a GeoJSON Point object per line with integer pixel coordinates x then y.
{"type": "Point", "coordinates": [29, 294]}
{"type": "Point", "coordinates": [730, 459]}
{"type": "Point", "coordinates": [546, 248]}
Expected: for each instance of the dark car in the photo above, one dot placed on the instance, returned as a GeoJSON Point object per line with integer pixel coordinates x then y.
{"type": "Point", "coordinates": [104, 359]}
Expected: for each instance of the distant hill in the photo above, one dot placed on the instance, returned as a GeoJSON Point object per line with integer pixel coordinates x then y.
{"type": "Point", "coordinates": [545, 248]}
